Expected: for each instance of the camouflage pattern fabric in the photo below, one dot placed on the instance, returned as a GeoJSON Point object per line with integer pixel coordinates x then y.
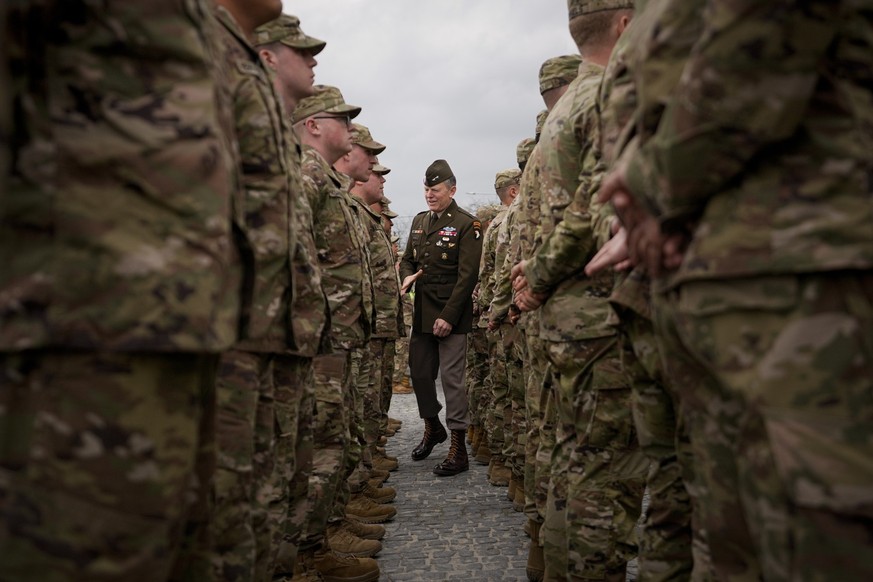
{"type": "Point", "coordinates": [536, 483]}
{"type": "Point", "coordinates": [351, 474]}
{"type": "Point", "coordinates": [330, 434]}
{"type": "Point", "coordinates": [401, 352]}
{"type": "Point", "coordinates": [99, 447]}
{"type": "Point", "coordinates": [385, 382]}
{"type": "Point", "coordinates": [515, 352]}
{"type": "Point", "coordinates": [499, 405]}
{"type": "Point", "coordinates": [112, 244]}
{"type": "Point", "coordinates": [476, 372]}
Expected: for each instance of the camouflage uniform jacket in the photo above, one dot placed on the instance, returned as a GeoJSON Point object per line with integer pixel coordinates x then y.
{"type": "Point", "coordinates": [773, 176]}
{"type": "Point", "coordinates": [270, 169]}
{"type": "Point", "coordinates": [501, 296]}
{"type": "Point", "coordinates": [342, 249]}
{"type": "Point", "coordinates": [115, 223]}
{"type": "Point", "coordinates": [577, 308]}
{"type": "Point", "coordinates": [633, 96]}
{"type": "Point", "coordinates": [310, 313]}
{"type": "Point", "coordinates": [386, 281]}
{"type": "Point", "coordinates": [487, 263]}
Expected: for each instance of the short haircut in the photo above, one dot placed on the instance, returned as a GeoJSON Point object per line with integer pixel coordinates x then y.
{"type": "Point", "coordinates": [452, 182]}
{"type": "Point", "coordinates": [593, 30]}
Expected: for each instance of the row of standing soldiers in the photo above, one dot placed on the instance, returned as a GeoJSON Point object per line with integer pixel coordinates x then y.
{"type": "Point", "coordinates": [676, 297]}
{"type": "Point", "coordinates": [198, 300]}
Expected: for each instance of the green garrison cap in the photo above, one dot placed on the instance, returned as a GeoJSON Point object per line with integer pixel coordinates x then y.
{"type": "Point", "coordinates": [506, 178]}
{"type": "Point", "coordinates": [559, 71]}
{"type": "Point", "coordinates": [437, 172]}
{"type": "Point", "coordinates": [286, 29]}
{"type": "Point", "coordinates": [326, 99]}
{"type": "Point", "coordinates": [580, 7]}
{"type": "Point", "coordinates": [381, 170]}
{"type": "Point", "coordinates": [524, 149]}
{"type": "Point", "coordinates": [361, 136]}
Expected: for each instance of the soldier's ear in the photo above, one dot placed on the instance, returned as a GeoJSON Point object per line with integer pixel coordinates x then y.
{"type": "Point", "coordinates": [269, 58]}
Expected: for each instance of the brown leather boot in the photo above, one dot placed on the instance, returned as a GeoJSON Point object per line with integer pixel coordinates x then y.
{"type": "Point", "coordinates": [336, 568]}
{"type": "Point", "coordinates": [536, 563]}
{"type": "Point", "coordinates": [456, 461]}
{"type": "Point", "coordinates": [434, 434]}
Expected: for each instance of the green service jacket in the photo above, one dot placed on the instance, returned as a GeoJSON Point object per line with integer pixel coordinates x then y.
{"type": "Point", "coordinates": [449, 253]}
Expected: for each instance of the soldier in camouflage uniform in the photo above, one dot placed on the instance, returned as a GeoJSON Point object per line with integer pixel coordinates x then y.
{"type": "Point", "coordinates": [761, 233]}
{"type": "Point", "coordinates": [323, 123]}
{"type": "Point", "coordinates": [284, 48]}
{"type": "Point", "coordinates": [555, 75]}
{"type": "Point", "coordinates": [596, 447]}
{"type": "Point", "coordinates": [632, 97]}
{"type": "Point", "coordinates": [120, 286]}
{"type": "Point", "coordinates": [477, 366]}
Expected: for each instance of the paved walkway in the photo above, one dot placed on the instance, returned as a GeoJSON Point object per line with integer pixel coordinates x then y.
{"type": "Point", "coordinates": [447, 528]}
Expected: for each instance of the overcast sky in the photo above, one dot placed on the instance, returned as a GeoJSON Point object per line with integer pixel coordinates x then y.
{"type": "Point", "coordinates": [453, 79]}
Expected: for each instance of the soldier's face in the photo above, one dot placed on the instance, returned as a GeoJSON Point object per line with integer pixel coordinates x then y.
{"type": "Point", "coordinates": [373, 189]}
{"type": "Point", "coordinates": [335, 133]}
{"type": "Point", "coordinates": [439, 197]}
{"type": "Point", "coordinates": [358, 164]}
{"type": "Point", "coordinates": [295, 70]}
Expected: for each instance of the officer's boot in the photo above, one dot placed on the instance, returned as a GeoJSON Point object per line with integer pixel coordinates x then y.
{"type": "Point", "coordinates": [456, 461]}
{"type": "Point", "coordinates": [434, 434]}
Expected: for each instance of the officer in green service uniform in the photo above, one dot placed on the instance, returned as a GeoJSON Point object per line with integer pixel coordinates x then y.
{"type": "Point", "coordinates": [442, 258]}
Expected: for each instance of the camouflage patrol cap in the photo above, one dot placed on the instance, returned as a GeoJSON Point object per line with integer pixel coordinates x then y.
{"type": "Point", "coordinates": [581, 7]}
{"type": "Point", "coordinates": [559, 71]}
{"type": "Point", "coordinates": [524, 149]}
{"type": "Point", "coordinates": [362, 137]}
{"type": "Point", "coordinates": [541, 121]}
{"type": "Point", "coordinates": [487, 212]}
{"type": "Point", "coordinates": [395, 239]}
{"type": "Point", "coordinates": [506, 178]}
{"type": "Point", "coordinates": [384, 201]}
{"type": "Point", "coordinates": [437, 172]}
{"type": "Point", "coordinates": [390, 213]}
{"type": "Point", "coordinates": [380, 169]}
{"type": "Point", "coordinates": [286, 29]}
{"type": "Point", "coordinates": [326, 99]}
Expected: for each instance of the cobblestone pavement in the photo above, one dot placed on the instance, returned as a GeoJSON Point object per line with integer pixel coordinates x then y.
{"type": "Point", "coordinates": [447, 528]}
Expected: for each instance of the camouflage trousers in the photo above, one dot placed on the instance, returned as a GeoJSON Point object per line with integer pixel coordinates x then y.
{"type": "Point", "coordinates": [666, 541]}
{"type": "Point", "coordinates": [500, 406]}
{"type": "Point", "coordinates": [104, 461]}
{"type": "Point", "coordinates": [477, 370]}
{"type": "Point", "coordinates": [597, 454]}
{"type": "Point", "coordinates": [536, 478]}
{"type": "Point", "coordinates": [353, 472]}
{"type": "Point", "coordinates": [386, 384]}
{"type": "Point", "coordinates": [331, 436]}
{"type": "Point", "coordinates": [401, 361]}
{"type": "Point", "coordinates": [784, 419]}
{"type": "Point", "coordinates": [372, 398]}
{"type": "Point", "coordinates": [515, 421]}
{"type": "Point", "coordinates": [264, 456]}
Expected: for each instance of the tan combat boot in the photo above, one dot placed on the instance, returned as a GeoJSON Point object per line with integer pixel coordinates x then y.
{"type": "Point", "coordinates": [304, 569]}
{"type": "Point", "coordinates": [510, 491]}
{"type": "Point", "coordinates": [518, 500]}
{"type": "Point", "coordinates": [366, 510]}
{"type": "Point", "coordinates": [380, 474]}
{"type": "Point", "coordinates": [345, 543]}
{"type": "Point", "coordinates": [336, 568]}
{"type": "Point", "coordinates": [379, 494]}
{"type": "Point", "coordinates": [499, 474]}
{"type": "Point", "coordinates": [536, 563]}
{"type": "Point", "coordinates": [483, 452]}
{"type": "Point", "coordinates": [365, 531]}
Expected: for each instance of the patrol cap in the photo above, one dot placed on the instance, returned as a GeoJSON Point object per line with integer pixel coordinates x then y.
{"type": "Point", "coordinates": [524, 149]}
{"type": "Point", "coordinates": [437, 173]}
{"type": "Point", "coordinates": [384, 201]}
{"type": "Point", "coordinates": [541, 121]}
{"type": "Point", "coordinates": [487, 212]}
{"type": "Point", "coordinates": [506, 178]}
{"type": "Point", "coordinates": [362, 137]}
{"type": "Point", "coordinates": [326, 99]}
{"type": "Point", "coordinates": [380, 169]}
{"type": "Point", "coordinates": [286, 29]}
{"type": "Point", "coordinates": [581, 7]}
{"type": "Point", "coordinates": [559, 71]}
{"type": "Point", "coordinates": [395, 239]}
{"type": "Point", "coordinates": [390, 213]}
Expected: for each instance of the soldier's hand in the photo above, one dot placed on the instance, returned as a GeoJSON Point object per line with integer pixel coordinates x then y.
{"type": "Point", "coordinates": [407, 282]}
{"type": "Point", "coordinates": [519, 281]}
{"type": "Point", "coordinates": [527, 300]}
{"type": "Point", "coordinates": [493, 325]}
{"type": "Point", "coordinates": [442, 328]}
{"type": "Point", "coordinates": [613, 254]}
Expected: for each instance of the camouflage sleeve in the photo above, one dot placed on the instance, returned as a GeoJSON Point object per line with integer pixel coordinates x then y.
{"type": "Point", "coordinates": [407, 261]}
{"type": "Point", "coordinates": [567, 249]}
{"type": "Point", "coordinates": [746, 87]}
{"type": "Point", "coordinates": [501, 250]}
{"type": "Point", "coordinates": [486, 265]}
